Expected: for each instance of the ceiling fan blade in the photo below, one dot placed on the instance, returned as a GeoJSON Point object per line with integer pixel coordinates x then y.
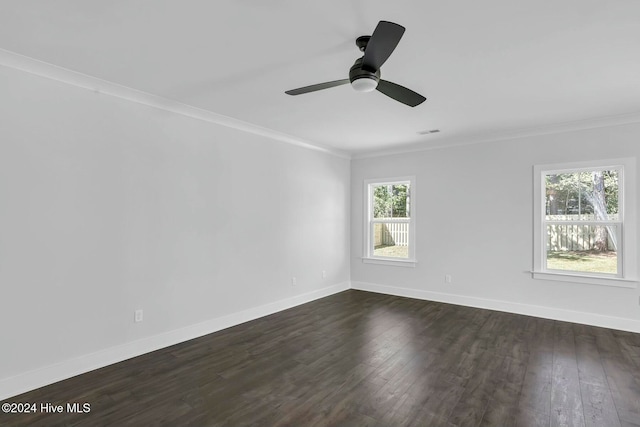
{"type": "Point", "coordinates": [400, 93]}
{"type": "Point", "coordinates": [319, 86]}
{"type": "Point", "coordinates": [383, 41]}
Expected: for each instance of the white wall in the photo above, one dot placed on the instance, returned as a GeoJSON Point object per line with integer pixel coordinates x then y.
{"type": "Point", "coordinates": [107, 206]}
{"type": "Point", "coordinates": [474, 221]}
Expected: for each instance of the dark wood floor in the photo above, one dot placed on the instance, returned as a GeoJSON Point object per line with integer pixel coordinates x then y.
{"type": "Point", "coordinates": [364, 359]}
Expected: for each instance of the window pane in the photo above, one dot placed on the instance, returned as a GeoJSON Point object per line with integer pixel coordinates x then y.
{"type": "Point", "coordinates": [391, 201]}
{"type": "Point", "coordinates": [590, 195]}
{"type": "Point", "coordinates": [583, 248]}
{"type": "Point", "coordinates": [391, 239]}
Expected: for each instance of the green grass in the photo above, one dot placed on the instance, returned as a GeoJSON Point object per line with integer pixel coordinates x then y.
{"type": "Point", "coordinates": [586, 261]}
{"type": "Point", "coordinates": [392, 251]}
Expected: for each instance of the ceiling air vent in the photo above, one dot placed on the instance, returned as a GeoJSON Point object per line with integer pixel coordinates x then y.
{"type": "Point", "coordinates": [426, 132]}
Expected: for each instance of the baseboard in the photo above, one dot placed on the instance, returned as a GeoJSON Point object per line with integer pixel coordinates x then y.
{"type": "Point", "coordinates": [31, 380]}
{"type": "Point", "coordinates": [584, 318]}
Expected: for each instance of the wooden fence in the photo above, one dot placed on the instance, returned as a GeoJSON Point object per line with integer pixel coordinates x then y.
{"type": "Point", "coordinates": [578, 237]}
{"type": "Point", "coordinates": [561, 237]}
{"type": "Point", "coordinates": [572, 237]}
{"type": "Point", "coordinates": [391, 233]}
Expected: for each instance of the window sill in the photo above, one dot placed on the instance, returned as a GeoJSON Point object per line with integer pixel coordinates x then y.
{"type": "Point", "coordinates": [590, 280]}
{"type": "Point", "coordinates": [411, 263]}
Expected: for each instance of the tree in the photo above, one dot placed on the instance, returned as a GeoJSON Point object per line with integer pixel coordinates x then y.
{"type": "Point", "coordinates": [611, 191]}
{"type": "Point", "coordinates": [381, 201]}
{"type": "Point", "coordinates": [399, 201]}
{"type": "Point", "coordinates": [572, 193]}
{"type": "Point", "coordinates": [391, 201]}
{"type": "Point", "coordinates": [552, 186]}
{"type": "Point", "coordinates": [597, 199]}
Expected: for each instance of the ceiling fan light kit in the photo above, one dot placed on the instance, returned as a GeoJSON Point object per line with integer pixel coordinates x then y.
{"type": "Point", "coordinates": [364, 75]}
{"type": "Point", "coordinates": [361, 79]}
{"type": "Point", "coordinates": [364, 84]}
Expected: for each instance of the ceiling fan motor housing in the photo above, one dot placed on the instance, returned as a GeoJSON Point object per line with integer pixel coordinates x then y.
{"type": "Point", "coordinates": [357, 72]}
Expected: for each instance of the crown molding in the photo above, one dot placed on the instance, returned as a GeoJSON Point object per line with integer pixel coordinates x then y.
{"type": "Point", "coordinates": [74, 78]}
{"type": "Point", "coordinates": [44, 69]}
{"type": "Point", "coordinates": [555, 128]}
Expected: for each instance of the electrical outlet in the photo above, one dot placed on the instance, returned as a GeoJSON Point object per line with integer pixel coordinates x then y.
{"type": "Point", "coordinates": [137, 316]}
{"type": "Point", "coordinates": [324, 274]}
{"type": "Point", "coordinates": [294, 281]}
{"type": "Point", "coordinates": [448, 278]}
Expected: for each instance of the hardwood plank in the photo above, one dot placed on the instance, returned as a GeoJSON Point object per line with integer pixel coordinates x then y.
{"type": "Point", "coordinates": [566, 400]}
{"type": "Point", "coordinates": [599, 409]}
{"type": "Point", "coordinates": [622, 376]}
{"type": "Point", "coordinates": [590, 367]}
{"type": "Point", "coordinates": [502, 409]}
{"type": "Point", "coordinates": [528, 418]}
{"type": "Point", "coordinates": [535, 394]}
{"type": "Point", "coordinates": [478, 390]}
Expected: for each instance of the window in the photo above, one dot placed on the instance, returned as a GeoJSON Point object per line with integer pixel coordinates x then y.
{"type": "Point", "coordinates": [389, 221]}
{"type": "Point", "coordinates": [585, 222]}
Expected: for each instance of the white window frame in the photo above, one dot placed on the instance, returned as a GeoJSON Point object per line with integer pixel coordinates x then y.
{"type": "Point", "coordinates": [625, 224]}
{"type": "Point", "coordinates": [369, 221]}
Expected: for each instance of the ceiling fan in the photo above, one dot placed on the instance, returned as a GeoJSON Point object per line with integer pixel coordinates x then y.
{"type": "Point", "coordinates": [364, 75]}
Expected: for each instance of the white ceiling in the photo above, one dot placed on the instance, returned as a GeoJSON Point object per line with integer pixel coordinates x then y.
{"type": "Point", "coordinates": [487, 68]}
